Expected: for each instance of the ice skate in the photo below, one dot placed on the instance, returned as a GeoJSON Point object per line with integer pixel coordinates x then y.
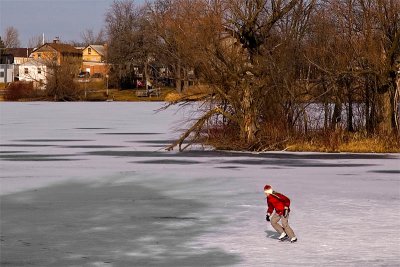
{"type": "Point", "coordinates": [283, 236]}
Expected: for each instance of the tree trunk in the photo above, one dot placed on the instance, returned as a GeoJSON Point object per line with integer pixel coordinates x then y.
{"type": "Point", "coordinates": [326, 107]}
{"type": "Point", "coordinates": [371, 105]}
{"type": "Point", "coordinates": [337, 114]}
{"type": "Point", "coordinates": [178, 77]}
{"type": "Point", "coordinates": [305, 121]}
{"type": "Point", "coordinates": [350, 111]}
{"type": "Point", "coordinates": [185, 79]}
{"type": "Point", "coordinates": [387, 112]}
{"type": "Point", "coordinates": [368, 120]}
{"type": "Point", "coordinates": [146, 76]}
{"type": "Point", "coordinates": [396, 106]}
{"type": "Point", "coordinates": [249, 128]}
{"type": "Point", "coordinates": [384, 122]}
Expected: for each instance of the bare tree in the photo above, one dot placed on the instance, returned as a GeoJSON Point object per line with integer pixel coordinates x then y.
{"type": "Point", "coordinates": [175, 23]}
{"type": "Point", "coordinates": [387, 16]}
{"type": "Point", "coordinates": [11, 37]}
{"type": "Point", "coordinates": [124, 44]}
{"type": "Point", "coordinates": [89, 37]}
{"type": "Point", "coordinates": [60, 80]}
{"type": "Point", "coordinates": [232, 41]}
{"type": "Point", "coordinates": [358, 58]}
{"type": "Point", "coordinates": [35, 41]}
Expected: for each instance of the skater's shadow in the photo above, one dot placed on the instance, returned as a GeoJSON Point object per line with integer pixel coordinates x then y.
{"type": "Point", "coordinates": [272, 234]}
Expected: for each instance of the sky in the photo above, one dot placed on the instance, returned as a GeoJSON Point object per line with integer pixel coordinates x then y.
{"type": "Point", "coordinates": [66, 19]}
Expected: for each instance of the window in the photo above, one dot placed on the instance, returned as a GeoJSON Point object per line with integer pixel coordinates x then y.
{"type": "Point", "coordinates": [39, 70]}
{"type": "Point", "coordinates": [2, 74]}
{"type": "Point", "coordinates": [89, 51]}
{"type": "Point", "coordinates": [26, 71]}
{"type": "Point", "coordinates": [39, 55]}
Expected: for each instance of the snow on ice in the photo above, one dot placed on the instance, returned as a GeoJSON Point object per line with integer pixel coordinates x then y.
{"type": "Point", "coordinates": [89, 184]}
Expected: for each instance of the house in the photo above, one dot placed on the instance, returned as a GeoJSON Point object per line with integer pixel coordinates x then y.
{"type": "Point", "coordinates": [57, 53]}
{"type": "Point", "coordinates": [35, 71]}
{"type": "Point", "coordinates": [94, 60]}
{"type": "Point", "coordinates": [6, 58]}
{"type": "Point", "coordinates": [6, 73]}
{"type": "Point", "coordinates": [21, 55]}
{"type": "Point", "coordinates": [6, 66]}
{"type": "Point", "coordinates": [94, 53]}
{"type": "Point", "coordinates": [45, 58]}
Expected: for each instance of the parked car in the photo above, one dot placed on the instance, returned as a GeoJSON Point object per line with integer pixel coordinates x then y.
{"type": "Point", "coordinates": [84, 74]}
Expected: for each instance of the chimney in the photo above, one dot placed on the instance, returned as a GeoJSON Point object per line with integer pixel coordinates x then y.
{"type": "Point", "coordinates": [56, 40]}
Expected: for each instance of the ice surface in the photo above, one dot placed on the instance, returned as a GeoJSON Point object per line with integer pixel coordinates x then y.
{"type": "Point", "coordinates": [89, 184]}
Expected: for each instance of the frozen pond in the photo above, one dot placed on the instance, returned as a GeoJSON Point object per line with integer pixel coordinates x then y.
{"type": "Point", "coordinates": [89, 184]}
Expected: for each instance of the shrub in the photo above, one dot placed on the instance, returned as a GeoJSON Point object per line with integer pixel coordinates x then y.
{"type": "Point", "coordinates": [19, 90]}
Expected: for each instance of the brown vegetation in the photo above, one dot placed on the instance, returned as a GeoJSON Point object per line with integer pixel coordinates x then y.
{"type": "Point", "coordinates": [331, 141]}
{"type": "Point", "coordinates": [60, 80]}
{"type": "Point", "coordinates": [17, 91]}
{"type": "Point", "coordinates": [193, 93]}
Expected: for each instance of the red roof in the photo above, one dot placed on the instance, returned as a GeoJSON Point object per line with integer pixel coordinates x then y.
{"type": "Point", "coordinates": [19, 52]}
{"type": "Point", "coordinates": [62, 48]}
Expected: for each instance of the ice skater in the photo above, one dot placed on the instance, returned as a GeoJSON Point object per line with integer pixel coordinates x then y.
{"type": "Point", "coordinates": [281, 204]}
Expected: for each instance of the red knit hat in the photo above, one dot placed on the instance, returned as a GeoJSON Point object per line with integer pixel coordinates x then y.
{"type": "Point", "coordinates": [268, 189]}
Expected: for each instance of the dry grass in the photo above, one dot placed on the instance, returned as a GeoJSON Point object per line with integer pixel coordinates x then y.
{"type": "Point", "coordinates": [19, 90]}
{"type": "Point", "coordinates": [336, 141]}
{"type": "Point", "coordinates": [93, 85]}
{"type": "Point", "coordinates": [2, 91]}
{"type": "Point", "coordinates": [173, 97]}
{"type": "Point", "coordinates": [96, 92]}
{"type": "Point", "coordinates": [124, 95]}
{"type": "Point", "coordinates": [192, 93]}
{"type": "Point", "coordinates": [351, 143]}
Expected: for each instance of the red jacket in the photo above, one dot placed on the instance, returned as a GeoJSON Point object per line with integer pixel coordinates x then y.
{"type": "Point", "coordinates": [278, 202]}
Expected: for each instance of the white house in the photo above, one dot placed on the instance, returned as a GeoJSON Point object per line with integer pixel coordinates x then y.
{"type": "Point", "coordinates": [6, 73]}
{"type": "Point", "coordinates": [34, 71]}
{"type": "Point", "coordinates": [20, 55]}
